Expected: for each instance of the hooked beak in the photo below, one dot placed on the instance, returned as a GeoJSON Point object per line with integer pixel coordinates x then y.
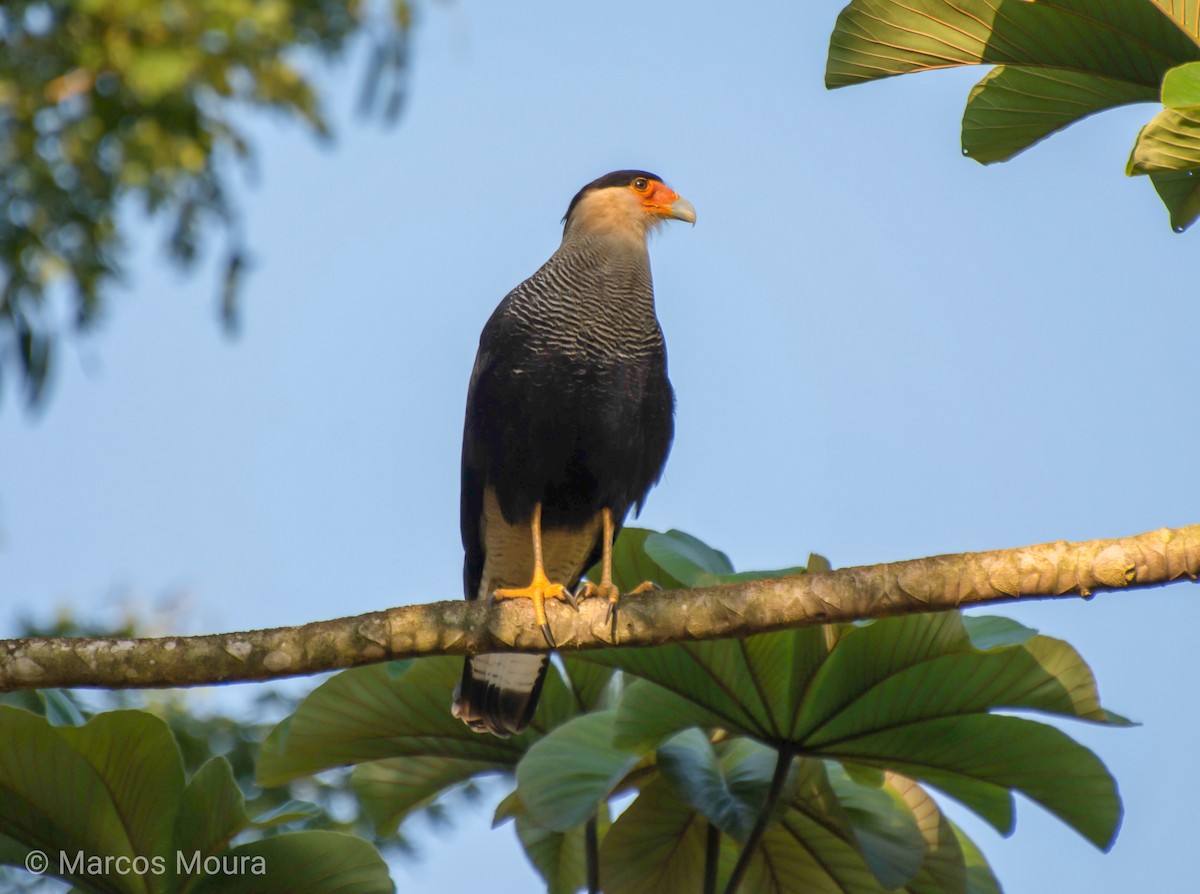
{"type": "Point", "coordinates": [681, 209]}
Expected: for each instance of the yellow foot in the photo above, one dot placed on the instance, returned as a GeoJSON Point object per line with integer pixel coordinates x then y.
{"type": "Point", "coordinates": [539, 590]}
{"type": "Point", "coordinates": [608, 590]}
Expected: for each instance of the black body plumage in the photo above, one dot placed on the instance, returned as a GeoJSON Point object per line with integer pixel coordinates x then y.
{"type": "Point", "coordinates": [569, 406]}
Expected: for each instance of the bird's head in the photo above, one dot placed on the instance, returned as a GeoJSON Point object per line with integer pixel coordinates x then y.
{"type": "Point", "coordinates": [625, 203]}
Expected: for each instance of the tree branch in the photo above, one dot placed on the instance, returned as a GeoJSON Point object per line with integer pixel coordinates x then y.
{"type": "Point", "coordinates": [1046, 571]}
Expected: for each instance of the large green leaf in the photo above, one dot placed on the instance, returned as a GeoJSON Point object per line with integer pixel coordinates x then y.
{"type": "Point", "coordinates": [894, 694]}
{"type": "Point", "coordinates": [879, 38]}
{"type": "Point", "coordinates": [565, 776]}
{"type": "Point", "coordinates": [1014, 107]}
{"type": "Point", "coordinates": [313, 862]}
{"type": "Point", "coordinates": [367, 714]}
{"type": "Point", "coordinates": [103, 788]}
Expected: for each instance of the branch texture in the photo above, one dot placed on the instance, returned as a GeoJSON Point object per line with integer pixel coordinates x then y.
{"type": "Point", "coordinates": [1045, 571]}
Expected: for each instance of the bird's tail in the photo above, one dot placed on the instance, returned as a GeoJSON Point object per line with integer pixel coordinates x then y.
{"type": "Point", "coordinates": [499, 691]}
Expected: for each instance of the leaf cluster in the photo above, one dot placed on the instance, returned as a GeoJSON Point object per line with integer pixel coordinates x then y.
{"type": "Point", "coordinates": [1057, 61]}
{"type": "Point", "coordinates": [103, 102]}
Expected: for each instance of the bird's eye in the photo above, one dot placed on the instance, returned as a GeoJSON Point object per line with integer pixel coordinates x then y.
{"type": "Point", "coordinates": [641, 184]}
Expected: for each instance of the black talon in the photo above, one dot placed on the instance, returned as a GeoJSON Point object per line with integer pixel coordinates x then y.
{"type": "Point", "coordinates": [549, 638]}
{"type": "Point", "coordinates": [572, 599]}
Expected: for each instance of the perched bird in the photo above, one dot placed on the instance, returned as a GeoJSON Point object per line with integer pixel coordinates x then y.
{"type": "Point", "coordinates": [569, 421]}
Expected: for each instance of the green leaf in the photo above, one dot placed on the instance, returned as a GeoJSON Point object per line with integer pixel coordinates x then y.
{"type": "Point", "coordinates": [648, 713]}
{"type": "Point", "coordinates": [1180, 192]}
{"type": "Point", "coordinates": [313, 862]}
{"type": "Point", "coordinates": [686, 558]}
{"type": "Point", "coordinates": [366, 714]}
{"type": "Point", "coordinates": [1169, 143]}
{"type": "Point", "coordinates": [980, 878]}
{"type": "Point", "coordinates": [890, 839]}
{"type": "Point", "coordinates": [390, 790]}
{"type": "Point", "coordinates": [907, 686]}
{"type": "Point", "coordinates": [656, 846]}
{"type": "Point", "coordinates": [992, 631]}
{"type": "Point", "coordinates": [944, 867]}
{"type": "Point", "coordinates": [817, 564]}
{"type": "Point", "coordinates": [813, 846]}
{"type": "Point", "coordinates": [569, 773]}
{"type": "Point", "coordinates": [728, 792]}
{"type": "Point", "coordinates": [1014, 107]}
{"type": "Point", "coordinates": [752, 685]}
{"type": "Point", "coordinates": [103, 788]}
{"type": "Point", "coordinates": [879, 38]}
{"type": "Point", "coordinates": [964, 756]}
{"type": "Point", "coordinates": [1181, 86]}
{"type": "Point", "coordinates": [212, 811]}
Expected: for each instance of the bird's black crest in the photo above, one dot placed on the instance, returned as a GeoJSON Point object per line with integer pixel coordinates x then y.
{"type": "Point", "coordinates": [616, 178]}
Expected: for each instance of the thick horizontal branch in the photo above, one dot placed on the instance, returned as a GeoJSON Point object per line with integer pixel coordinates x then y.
{"type": "Point", "coordinates": [1046, 571]}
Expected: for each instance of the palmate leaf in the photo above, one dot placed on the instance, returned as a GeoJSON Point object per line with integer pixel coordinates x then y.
{"type": "Point", "coordinates": [912, 694]}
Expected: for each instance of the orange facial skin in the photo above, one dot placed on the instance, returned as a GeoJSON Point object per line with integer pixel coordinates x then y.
{"type": "Point", "coordinates": [660, 200]}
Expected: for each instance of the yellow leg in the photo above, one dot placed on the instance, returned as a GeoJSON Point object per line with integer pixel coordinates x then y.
{"type": "Point", "coordinates": [606, 588]}
{"type": "Point", "coordinates": [540, 588]}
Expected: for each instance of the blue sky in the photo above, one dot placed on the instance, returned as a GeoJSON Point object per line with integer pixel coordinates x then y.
{"type": "Point", "coordinates": [881, 350]}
